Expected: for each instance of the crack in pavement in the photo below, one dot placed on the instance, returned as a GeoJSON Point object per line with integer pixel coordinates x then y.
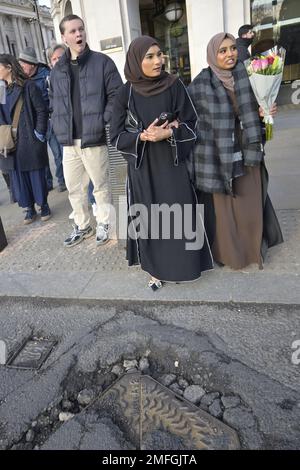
{"type": "Point", "coordinates": [44, 370]}
{"type": "Point", "coordinates": [3, 400]}
{"type": "Point", "coordinates": [78, 342]}
{"type": "Point", "coordinates": [83, 289]}
{"type": "Point", "coordinates": [216, 349]}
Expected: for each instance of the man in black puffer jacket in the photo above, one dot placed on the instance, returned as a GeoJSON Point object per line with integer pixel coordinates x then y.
{"type": "Point", "coordinates": [83, 85]}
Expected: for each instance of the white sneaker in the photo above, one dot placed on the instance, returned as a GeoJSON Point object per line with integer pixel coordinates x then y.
{"type": "Point", "coordinates": [94, 207]}
{"type": "Point", "coordinates": [71, 216]}
{"type": "Point", "coordinates": [102, 234]}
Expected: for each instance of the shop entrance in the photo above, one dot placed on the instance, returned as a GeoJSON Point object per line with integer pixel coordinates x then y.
{"type": "Point", "coordinates": [167, 22]}
{"type": "Point", "coordinates": [278, 22]}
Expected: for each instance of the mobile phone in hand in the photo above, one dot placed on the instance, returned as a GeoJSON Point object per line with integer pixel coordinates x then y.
{"type": "Point", "coordinates": [165, 117]}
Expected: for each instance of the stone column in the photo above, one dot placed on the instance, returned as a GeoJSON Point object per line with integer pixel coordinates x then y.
{"type": "Point", "coordinates": [56, 17]}
{"type": "Point", "coordinates": [131, 21]}
{"type": "Point", "coordinates": [45, 37]}
{"type": "Point", "coordinates": [17, 34]}
{"type": "Point", "coordinates": [2, 50]}
{"type": "Point", "coordinates": [3, 45]}
{"type": "Point", "coordinates": [40, 41]}
{"type": "Point", "coordinates": [235, 14]}
{"type": "Point", "coordinates": [34, 38]}
{"type": "Point", "coordinates": [21, 32]}
{"type": "Point", "coordinates": [247, 12]}
{"type": "Point", "coordinates": [50, 39]}
{"type": "Point", "coordinates": [38, 37]}
{"type": "Point", "coordinates": [204, 19]}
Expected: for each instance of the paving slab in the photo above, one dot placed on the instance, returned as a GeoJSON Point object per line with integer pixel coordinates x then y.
{"type": "Point", "coordinates": [36, 264]}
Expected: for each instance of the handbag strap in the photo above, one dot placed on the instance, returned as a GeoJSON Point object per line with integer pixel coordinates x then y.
{"type": "Point", "coordinates": [17, 112]}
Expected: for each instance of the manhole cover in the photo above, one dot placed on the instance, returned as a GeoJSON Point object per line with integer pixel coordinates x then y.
{"type": "Point", "coordinates": [31, 354]}
{"type": "Point", "coordinates": [144, 407]}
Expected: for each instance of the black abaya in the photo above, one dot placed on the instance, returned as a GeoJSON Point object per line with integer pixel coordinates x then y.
{"type": "Point", "coordinates": [158, 175]}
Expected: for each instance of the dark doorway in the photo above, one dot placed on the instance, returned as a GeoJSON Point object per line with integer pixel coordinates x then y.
{"type": "Point", "coordinates": [167, 22]}
{"type": "Point", "coordinates": [278, 22]}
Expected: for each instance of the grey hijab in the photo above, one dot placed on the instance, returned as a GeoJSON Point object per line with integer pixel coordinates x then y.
{"type": "Point", "coordinates": [213, 46]}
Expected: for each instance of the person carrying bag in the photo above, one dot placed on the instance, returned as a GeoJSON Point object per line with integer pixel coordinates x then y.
{"type": "Point", "coordinates": [8, 134]}
{"type": "Point", "coordinates": [24, 120]}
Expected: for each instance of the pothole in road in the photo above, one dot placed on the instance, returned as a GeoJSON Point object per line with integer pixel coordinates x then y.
{"type": "Point", "coordinates": [136, 404]}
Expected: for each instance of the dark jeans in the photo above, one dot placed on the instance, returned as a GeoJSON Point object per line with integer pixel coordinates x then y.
{"type": "Point", "coordinates": [29, 187]}
{"type": "Point", "coordinates": [49, 177]}
{"type": "Point", "coordinates": [57, 151]}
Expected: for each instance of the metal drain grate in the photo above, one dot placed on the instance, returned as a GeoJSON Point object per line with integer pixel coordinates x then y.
{"type": "Point", "coordinates": [31, 354]}
{"type": "Point", "coordinates": [144, 406]}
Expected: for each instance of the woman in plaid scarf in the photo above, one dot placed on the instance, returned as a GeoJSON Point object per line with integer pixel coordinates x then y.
{"type": "Point", "coordinates": [229, 160]}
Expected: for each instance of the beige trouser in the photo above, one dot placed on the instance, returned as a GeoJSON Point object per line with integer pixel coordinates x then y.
{"type": "Point", "coordinates": [81, 165]}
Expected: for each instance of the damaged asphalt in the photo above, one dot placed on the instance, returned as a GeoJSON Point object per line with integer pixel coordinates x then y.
{"type": "Point", "coordinates": [243, 351]}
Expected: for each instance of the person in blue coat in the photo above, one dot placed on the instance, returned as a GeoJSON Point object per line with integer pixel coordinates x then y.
{"type": "Point", "coordinates": [27, 170]}
{"type": "Point", "coordinates": [39, 74]}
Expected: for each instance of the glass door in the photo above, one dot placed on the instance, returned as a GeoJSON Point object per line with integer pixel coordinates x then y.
{"type": "Point", "coordinates": [167, 22]}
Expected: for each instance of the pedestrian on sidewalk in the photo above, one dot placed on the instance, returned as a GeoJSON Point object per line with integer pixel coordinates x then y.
{"type": "Point", "coordinates": [38, 73]}
{"type": "Point", "coordinates": [27, 169]}
{"type": "Point", "coordinates": [157, 170]}
{"type": "Point", "coordinates": [229, 159]}
{"type": "Point", "coordinates": [54, 54]}
{"type": "Point", "coordinates": [245, 38]}
{"type": "Point", "coordinates": [83, 85]}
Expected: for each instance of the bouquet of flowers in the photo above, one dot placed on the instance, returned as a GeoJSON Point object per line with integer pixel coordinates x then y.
{"type": "Point", "coordinates": [265, 74]}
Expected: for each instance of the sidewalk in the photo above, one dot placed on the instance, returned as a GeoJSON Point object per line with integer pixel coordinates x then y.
{"type": "Point", "coordinates": [36, 264]}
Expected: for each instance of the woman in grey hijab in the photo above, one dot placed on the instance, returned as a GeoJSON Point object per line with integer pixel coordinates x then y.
{"type": "Point", "coordinates": [231, 176]}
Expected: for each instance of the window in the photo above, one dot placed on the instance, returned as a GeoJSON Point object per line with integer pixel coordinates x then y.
{"type": "Point", "coordinates": [172, 35]}
{"type": "Point", "coordinates": [278, 22]}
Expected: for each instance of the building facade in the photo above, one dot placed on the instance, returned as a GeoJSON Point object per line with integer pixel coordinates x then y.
{"type": "Point", "coordinates": [183, 30]}
{"type": "Point", "coordinates": [184, 27]}
{"type": "Point", "coordinates": [19, 27]}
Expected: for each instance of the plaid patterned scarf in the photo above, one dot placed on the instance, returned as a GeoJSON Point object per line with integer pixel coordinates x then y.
{"type": "Point", "coordinates": [214, 148]}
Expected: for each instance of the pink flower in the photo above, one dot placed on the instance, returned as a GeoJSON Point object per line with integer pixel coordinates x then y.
{"type": "Point", "coordinates": [256, 64]}
{"type": "Point", "coordinates": [264, 64]}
